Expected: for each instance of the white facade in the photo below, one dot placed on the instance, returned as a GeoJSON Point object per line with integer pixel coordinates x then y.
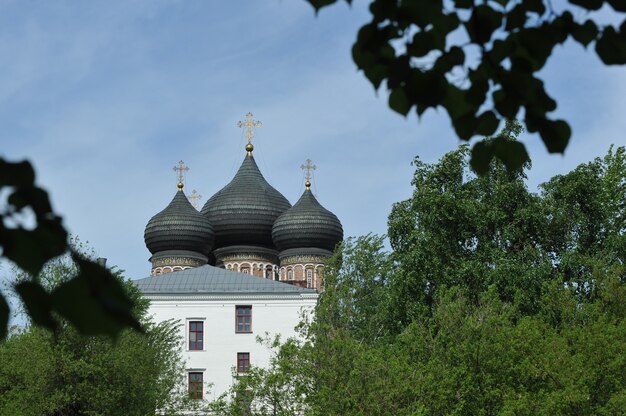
{"type": "Point", "coordinates": [272, 313]}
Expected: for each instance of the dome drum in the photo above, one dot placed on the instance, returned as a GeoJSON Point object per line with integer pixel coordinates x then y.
{"type": "Point", "coordinates": [245, 253]}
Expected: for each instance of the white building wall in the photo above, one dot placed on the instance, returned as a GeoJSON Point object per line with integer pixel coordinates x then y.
{"type": "Point", "coordinates": [272, 314]}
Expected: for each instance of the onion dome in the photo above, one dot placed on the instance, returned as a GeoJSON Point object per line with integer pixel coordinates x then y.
{"type": "Point", "coordinates": [307, 225]}
{"type": "Point", "coordinates": [179, 227]}
{"type": "Point", "coordinates": [244, 211]}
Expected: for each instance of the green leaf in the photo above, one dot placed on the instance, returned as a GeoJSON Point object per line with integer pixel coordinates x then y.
{"type": "Point", "coordinates": [482, 154]}
{"type": "Point", "coordinates": [516, 18]}
{"type": "Point", "coordinates": [31, 249]}
{"type": "Point", "coordinates": [585, 33]}
{"type": "Point", "coordinates": [399, 102]}
{"type": "Point", "coordinates": [95, 301]}
{"type": "Point", "coordinates": [31, 196]}
{"type": "Point", "coordinates": [555, 134]}
{"type": "Point", "coordinates": [511, 152]}
{"type": "Point", "coordinates": [611, 47]}
{"type": "Point", "coordinates": [465, 126]}
{"type": "Point", "coordinates": [618, 5]}
{"type": "Point", "coordinates": [16, 174]}
{"type": "Point", "coordinates": [37, 303]}
{"type": "Point", "coordinates": [588, 4]}
{"type": "Point", "coordinates": [506, 104]}
{"type": "Point", "coordinates": [487, 123]}
{"type": "Point", "coordinates": [318, 4]}
{"type": "Point", "coordinates": [425, 41]}
{"type": "Point", "coordinates": [483, 22]}
{"type": "Point", "coordinates": [4, 317]}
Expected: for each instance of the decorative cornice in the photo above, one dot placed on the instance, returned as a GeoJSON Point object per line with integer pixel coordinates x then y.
{"type": "Point", "coordinates": [231, 296]}
{"type": "Point", "coordinates": [176, 261]}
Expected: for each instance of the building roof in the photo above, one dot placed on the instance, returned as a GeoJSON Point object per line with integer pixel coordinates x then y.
{"type": "Point", "coordinates": [179, 227]}
{"type": "Point", "coordinates": [307, 224]}
{"type": "Point", "coordinates": [243, 212]}
{"type": "Point", "coordinates": [214, 280]}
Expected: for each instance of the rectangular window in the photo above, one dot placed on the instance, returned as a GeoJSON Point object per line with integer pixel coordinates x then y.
{"type": "Point", "coordinates": [243, 318]}
{"type": "Point", "coordinates": [195, 386]}
{"type": "Point", "coordinates": [196, 335]}
{"type": "Point", "coordinates": [243, 362]}
{"type": "Point", "coordinates": [309, 278]}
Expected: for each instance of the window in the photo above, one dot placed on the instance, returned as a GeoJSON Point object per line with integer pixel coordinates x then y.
{"type": "Point", "coordinates": [243, 318]}
{"type": "Point", "coordinates": [243, 362]}
{"type": "Point", "coordinates": [196, 335]}
{"type": "Point", "coordinates": [244, 271]}
{"type": "Point", "coordinates": [195, 386]}
{"type": "Point", "coordinates": [309, 278]}
{"type": "Point", "coordinates": [290, 274]}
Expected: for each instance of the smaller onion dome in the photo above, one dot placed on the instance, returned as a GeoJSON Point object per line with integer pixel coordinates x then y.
{"type": "Point", "coordinates": [179, 227]}
{"type": "Point", "coordinates": [307, 224]}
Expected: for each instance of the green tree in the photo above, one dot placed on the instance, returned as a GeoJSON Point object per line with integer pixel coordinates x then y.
{"type": "Point", "coordinates": [93, 300]}
{"type": "Point", "coordinates": [460, 229]}
{"type": "Point", "coordinates": [493, 301]}
{"type": "Point", "coordinates": [481, 60]}
{"type": "Point", "coordinates": [66, 373]}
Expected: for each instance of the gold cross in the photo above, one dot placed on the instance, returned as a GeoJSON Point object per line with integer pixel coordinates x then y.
{"type": "Point", "coordinates": [194, 198]}
{"type": "Point", "coordinates": [181, 176]}
{"type": "Point", "coordinates": [249, 124]}
{"type": "Point", "coordinates": [308, 167]}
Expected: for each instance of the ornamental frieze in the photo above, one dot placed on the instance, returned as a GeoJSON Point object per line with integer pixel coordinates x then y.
{"type": "Point", "coordinates": [176, 261]}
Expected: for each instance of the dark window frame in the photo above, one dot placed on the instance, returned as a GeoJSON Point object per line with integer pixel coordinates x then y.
{"type": "Point", "coordinates": [243, 312]}
{"type": "Point", "coordinates": [197, 328]}
{"type": "Point", "coordinates": [196, 383]}
{"type": "Point", "coordinates": [243, 362]}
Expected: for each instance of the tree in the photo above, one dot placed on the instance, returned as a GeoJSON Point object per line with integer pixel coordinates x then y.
{"type": "Point", "coordinates": [480, 60]}
{"type": "Point", "coordinates": [93, 300]}
{"type": "Point", "coordinates": [493, 300]}
{"type": "Point", "coordinates": [66, 373]}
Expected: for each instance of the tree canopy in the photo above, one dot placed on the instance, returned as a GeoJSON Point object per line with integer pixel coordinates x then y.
{"type": "Point", "coordinates": [480, 60]}
{"type": "Point", "coordinates": [67, 373]}
{"type": "Point", "coordinates": [492, 300]}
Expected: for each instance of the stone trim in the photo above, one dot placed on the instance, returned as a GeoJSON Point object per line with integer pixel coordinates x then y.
{"type": "Point", "coordinates": [233, 296]}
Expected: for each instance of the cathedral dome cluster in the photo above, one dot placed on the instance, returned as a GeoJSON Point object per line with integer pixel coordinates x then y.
{"type": "Point", "coordinates": [248, 227]}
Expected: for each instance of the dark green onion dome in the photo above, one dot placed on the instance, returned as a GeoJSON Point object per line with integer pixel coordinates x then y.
{"type": "Point", "coordinates": [179, 227]}
{"type": "Point", "coordinates": [243, 212]}
{"type": "Point", "coordinates": [307, 224]}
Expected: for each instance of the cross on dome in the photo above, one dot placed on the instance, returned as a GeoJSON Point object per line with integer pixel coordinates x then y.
{"type": "Point", "coordinates": [194, 197]}
{"type": "Point", "coordinates": [181, 168]}
{"type": "Point", "coordinates": [308, 167]}
{"type": "Point", "coordinates": [249, 124]}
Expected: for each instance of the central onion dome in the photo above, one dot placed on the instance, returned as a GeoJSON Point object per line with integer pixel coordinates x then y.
{"type": "Point", "coordinates": [243, 212]}
{"type": "Point", "coordinates": [179, 227]}
{"type": "Point", "coordinates": [307, 225]}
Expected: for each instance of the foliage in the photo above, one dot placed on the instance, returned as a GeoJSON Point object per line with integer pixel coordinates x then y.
{"type": "Point", "coordinates": [68, 373]}
{"type": "Point", "coordinates": [493, 300]}
{"type": "Point", "coordinates": [93, 300]}
{"type": "Point", "coordinates": [480, 60]}
{"type": "Point", "coordinates": [278, 390]}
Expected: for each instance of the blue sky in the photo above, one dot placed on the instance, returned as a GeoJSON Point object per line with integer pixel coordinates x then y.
{"type": "Point", "coordinates": [105, 97]}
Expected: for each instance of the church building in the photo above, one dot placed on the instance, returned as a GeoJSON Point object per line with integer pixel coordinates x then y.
{"type": "Point", "coordinates": [247, 264]}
